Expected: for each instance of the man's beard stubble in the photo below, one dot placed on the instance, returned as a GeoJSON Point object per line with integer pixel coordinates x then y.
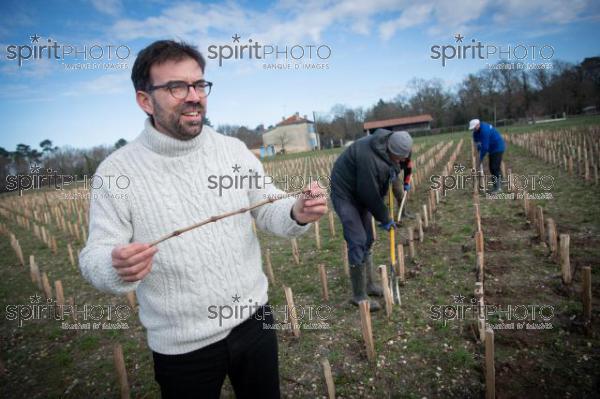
{"type": "Point", "coordinates": [173, 126]}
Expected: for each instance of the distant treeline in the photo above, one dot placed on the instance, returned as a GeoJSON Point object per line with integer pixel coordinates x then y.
{"type": "Point", "coordinates": [503, 95]}
{"type": "Point", "coordinates": [493, 94]}
{"type": "Point", "coordinates": [26, 160]}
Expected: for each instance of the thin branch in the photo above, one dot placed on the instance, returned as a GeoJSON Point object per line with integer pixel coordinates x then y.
{"type": "Point", "coordinates": [225, 215]}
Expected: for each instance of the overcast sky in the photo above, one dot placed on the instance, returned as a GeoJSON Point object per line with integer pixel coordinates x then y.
{"type": "Point", "coordinates": [376, 47]}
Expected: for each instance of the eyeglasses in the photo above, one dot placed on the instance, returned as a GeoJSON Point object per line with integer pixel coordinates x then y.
{"type": "Point", "coordinates": [180, 89]}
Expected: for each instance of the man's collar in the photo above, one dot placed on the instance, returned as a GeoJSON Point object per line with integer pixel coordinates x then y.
{"type": "Point", "coordinates": [169, 146]}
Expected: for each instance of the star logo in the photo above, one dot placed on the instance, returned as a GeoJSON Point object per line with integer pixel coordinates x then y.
{"type": "Point", "coordinates": [459, 38]}
{"type": "Point", "coordinates": [236, 38]}
{"type": "Point", "coordinates": [236, 168]}
{"type": "Point", "coordinates": [236, 298]}
{"type": "Point", "coordinates": [35, 298]}
{"type": "Point", "coordinates": [34, 168]}
{"type": "Point", "coordinates": [35, 38]}
{"type": "Point", "coordinates": [459, 168]}
{"type": "Point", "coordinates": [458, 298]}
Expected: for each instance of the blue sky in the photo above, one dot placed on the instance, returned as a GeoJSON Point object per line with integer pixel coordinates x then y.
{"type": "Point", "coordinates": [377, 47]}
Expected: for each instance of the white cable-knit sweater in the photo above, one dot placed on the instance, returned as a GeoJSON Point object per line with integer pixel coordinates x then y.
{"type": "Point", "coordinates": [169, 188]}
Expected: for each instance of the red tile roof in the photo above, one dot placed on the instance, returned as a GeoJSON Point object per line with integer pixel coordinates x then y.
{"type": "Point", "coordinates": [293, 119]}
{"type": "Point", "coordinates": [398, 121]}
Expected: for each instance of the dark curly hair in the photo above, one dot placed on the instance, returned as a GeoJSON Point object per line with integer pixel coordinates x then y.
{"type": "Point", "coordinates": [157, 53]}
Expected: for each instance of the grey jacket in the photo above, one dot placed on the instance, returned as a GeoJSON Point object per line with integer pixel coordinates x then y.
{"type": "Point", "coordinates": [363, 173]}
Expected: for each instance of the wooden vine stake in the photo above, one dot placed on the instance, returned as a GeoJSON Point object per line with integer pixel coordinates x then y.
{"type": "Point", "coordinates": [479, 243]}
{"type": "Point", "coordinates": [71, 257]}
{"type": "Point", "coordinates": [121, 371]}
{"type": "Point", "coordinates": [420, 226]}
{"type": "Point", "coordinates": [295, 251]}
{"type": "Point", "coordinates": [269, 266]}
{"type": "Point", "coordinates": [131, 299]}
{"type": "Point", "coordinates": [565, 261]}
{"type": "Point", "coordinates": [411, 243]}
{"type": "Point", "coordinates": [323, 276]}
{"type": "Point", "coordinates": [53, 246]}
{"type": "Point", "coordinates": [526, 205]}
{"type": "Point", "coordinates": [44, 238]}
{"type": "Point", "coordinates": [552, 237]}
{"type": "Point", "coordinates": [291, 311]}
{"type": "Point", "coordinates": [480, 267]}
{"type": "Point", "coordinates": [401, 272]}
{"type": "Point", "coordinates": [36, 277]}
{"type": "Point", "coordinates": [60, 295]}
{"type": "Point", "coordinates": [328, 378]}
{"type": "Point", "coordinates": [540, 222]}
{"type": "Point", "coordinates": [477, 218]}
{"type": "Point", "coordinates": [425, 218]}
{"type": "Point", "coordinates": [317, 234]}
{"type": "Point", "coordinates": [46, 286]}
{"type": "Point", "coordinates": [586, 297]}
{"type": "Point", "coordinates": [19, 253]}
{"type": "Point", "coordinates": [367, 330]}
{"type": "Point", "coordinates": [490, 370]}
{"type": "Point", "coordinates": [345, 258]}
{"type": "Point", "coordinates": [387, 295]}
{"type": "Point", "coordinates": [481, 313]}
{"type": "Point", "coordinates": [331, 224]}
{"type": "Point", "coordinates": [430, 210]}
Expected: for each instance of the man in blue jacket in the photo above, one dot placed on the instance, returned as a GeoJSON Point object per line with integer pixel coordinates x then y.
{"type": "Point", "coordinates": [489, 140]}
{"type": "Point", "coordinates": [360, 179]}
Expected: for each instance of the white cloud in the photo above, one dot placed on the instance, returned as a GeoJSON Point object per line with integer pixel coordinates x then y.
{"type": "Point", "coordinates": [109, 7]}
{"type": "Point", "coordinates": [411, 16]}
{"type": "Point", "coordinates": [291, 21]}
{"type": "Point", "coordinates": [110, 83]}
{"type": "Point", "coordinates": [36, 69]}
{"type": "Point", "coordinates": [185, 21]}
{"type": "Point", "coordinates": [547, 11]}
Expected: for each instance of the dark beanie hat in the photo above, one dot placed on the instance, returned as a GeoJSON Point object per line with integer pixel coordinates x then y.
{"type": "Point", "coordinates": [400, 144]}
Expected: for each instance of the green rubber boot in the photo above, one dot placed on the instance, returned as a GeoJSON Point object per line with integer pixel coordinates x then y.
{"type": "Point", "coordinates": [359, 287]}
{"type": "Point", "coordinates": [373, 288]}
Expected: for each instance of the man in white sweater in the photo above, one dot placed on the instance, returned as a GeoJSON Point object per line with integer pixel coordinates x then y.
{"type": "Point", "coordinates": [167, 169]}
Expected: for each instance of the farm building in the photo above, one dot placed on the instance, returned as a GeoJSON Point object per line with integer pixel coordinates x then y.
{"type": "Point", "coordinates": [409, 123]}
{"type": "Point", "coordinates": [293, 134]}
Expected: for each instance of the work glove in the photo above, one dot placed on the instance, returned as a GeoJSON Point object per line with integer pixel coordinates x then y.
{"type": "Point", "coordinates": [406, 187]}
{"type": "Point", "coordinates": [388, 226]}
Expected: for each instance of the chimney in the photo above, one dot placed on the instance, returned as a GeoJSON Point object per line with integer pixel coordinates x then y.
{"type": "Point", "coordinates": [283, 118]}
{"type": "Point", "coordinates": [297, 114]}
{"type": "Point", "coordinates": [305, 117]}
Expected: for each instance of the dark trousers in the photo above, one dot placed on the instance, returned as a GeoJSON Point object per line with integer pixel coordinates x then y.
{"type": "Point", "coordinates": [358, 230]}
{"type": "Point", "coordinates": [248, 355]}
{"type": "Point", "coordinates": [495, 169]}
